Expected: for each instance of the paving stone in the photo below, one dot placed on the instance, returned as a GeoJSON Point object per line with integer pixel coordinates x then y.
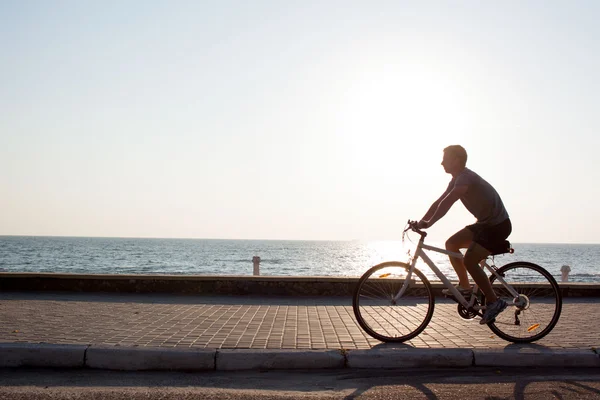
{"type": "Point", "coordinates": [254, 322]}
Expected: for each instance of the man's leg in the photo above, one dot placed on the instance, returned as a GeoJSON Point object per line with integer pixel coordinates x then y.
{"type": "Point", "coordinates": [474, 254]}
{"type": "Point", "coordinates": [460, 240]}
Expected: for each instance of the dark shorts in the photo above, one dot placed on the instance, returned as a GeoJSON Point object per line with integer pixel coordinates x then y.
{"type": "Point", "coordinates": [491, 237]}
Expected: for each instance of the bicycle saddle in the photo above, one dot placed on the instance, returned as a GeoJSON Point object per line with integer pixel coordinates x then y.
{"type": "Point", "coordinates": [502, 248]}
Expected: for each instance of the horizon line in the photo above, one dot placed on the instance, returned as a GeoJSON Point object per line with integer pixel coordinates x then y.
{"type": "Point", "coordinates": [240, 239]}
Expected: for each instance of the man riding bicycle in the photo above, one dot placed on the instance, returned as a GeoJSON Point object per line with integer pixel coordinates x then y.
{"type": "Point", "coordinates": [480, 239]}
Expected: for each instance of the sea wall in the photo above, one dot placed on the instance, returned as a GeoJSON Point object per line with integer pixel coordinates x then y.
{"type": "Point", "coordinates": [202, 284]}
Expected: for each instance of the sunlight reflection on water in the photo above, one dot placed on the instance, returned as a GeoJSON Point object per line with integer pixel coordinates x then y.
{"type": "Point", "coordinates": [278, 257]}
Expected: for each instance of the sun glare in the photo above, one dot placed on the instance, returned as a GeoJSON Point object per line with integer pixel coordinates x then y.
{"type": "Point", "coordinates": [389, 114]}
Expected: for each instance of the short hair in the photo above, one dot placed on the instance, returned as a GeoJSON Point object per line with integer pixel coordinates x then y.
{"type": "Point", "coordinates": [457, 151]}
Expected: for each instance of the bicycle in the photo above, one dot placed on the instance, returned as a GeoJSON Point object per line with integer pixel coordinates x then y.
{"type": "Point", "coordinates": [394, 301]}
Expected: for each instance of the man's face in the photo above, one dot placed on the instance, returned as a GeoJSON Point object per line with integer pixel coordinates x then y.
{"type": "Point", "coordinates": [449, 162]}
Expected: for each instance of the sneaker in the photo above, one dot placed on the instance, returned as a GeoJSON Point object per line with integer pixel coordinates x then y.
{"type": "Point", "coordinates": [466, 293]}
{"type": "Point", "coordinates": [492, 311]}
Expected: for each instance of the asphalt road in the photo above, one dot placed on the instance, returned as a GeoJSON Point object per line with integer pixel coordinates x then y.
{"type": "Point", "coordinates": [479, 383]}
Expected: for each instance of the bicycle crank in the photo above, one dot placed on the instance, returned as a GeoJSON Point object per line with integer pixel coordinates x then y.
{"type": "Point", "coordinates": [466, 313]}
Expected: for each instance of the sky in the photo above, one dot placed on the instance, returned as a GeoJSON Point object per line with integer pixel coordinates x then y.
{"type": "Point", "coordinates": [312, 120]}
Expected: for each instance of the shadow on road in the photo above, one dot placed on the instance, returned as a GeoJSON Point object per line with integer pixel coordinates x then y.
{"type": "Point", "coordinates": [481, 383]}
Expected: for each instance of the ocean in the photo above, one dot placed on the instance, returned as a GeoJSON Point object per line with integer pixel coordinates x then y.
{"type": "Point", "coordinates": [278, 257]}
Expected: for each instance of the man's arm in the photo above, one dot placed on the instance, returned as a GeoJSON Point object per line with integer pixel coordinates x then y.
{"type": "Point", "coordinates": [436, 203]}
{"type": "Point", "coordinates": [432, 209]}
{"type": "Point", "coordinates": [440, 208]}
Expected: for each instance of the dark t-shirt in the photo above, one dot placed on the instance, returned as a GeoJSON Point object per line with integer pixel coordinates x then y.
{"type": "Point", "coordinates": [481, 199]}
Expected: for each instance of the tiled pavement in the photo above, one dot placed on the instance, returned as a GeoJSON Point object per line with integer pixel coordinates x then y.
{"type": "Point", "coordinates": [158, 320]}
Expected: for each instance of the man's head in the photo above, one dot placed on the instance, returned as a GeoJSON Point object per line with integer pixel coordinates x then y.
{"type": "Point", "coordinates": [455, 159]}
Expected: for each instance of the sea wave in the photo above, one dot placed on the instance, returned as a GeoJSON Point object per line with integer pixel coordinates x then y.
{"type": "Point", "coordinates": [262, 260]}
{"type": "Point", "coordinates": [296, 258]}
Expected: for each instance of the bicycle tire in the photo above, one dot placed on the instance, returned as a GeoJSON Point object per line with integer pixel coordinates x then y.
{"type": "Point", "coordinates": [390, 322]}
{"type": "Point", "coordinates": [542, 312]}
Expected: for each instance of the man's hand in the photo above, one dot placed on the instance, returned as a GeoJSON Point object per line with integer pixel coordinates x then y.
{"type": "Point", "coordinates": [422, 224]}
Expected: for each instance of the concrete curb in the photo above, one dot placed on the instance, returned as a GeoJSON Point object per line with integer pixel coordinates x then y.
{"type": "Point", "coordinates": [535, 357]}
{"type": "Point", "coordinates": [42, 355]}
{"type": "Point", "coordinates": [159, 358]}
{"type": "Point", "coordinates": [409, 358]}
{"type": "Point", "coordinates": [239, 359]}
{"type": "Point", "coordinates": [149, 358]}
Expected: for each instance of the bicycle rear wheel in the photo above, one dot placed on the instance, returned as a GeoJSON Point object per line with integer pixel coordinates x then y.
{"type": "Point", "coordinates": [535, 312]}
{"type": "Point", "coordinates": [382, 317]}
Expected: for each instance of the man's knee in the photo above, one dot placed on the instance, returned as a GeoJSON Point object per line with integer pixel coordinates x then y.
{"type": "Point", "coordinates": [460, 240]}
{"type": "Point", "coordinates": [452, 245]}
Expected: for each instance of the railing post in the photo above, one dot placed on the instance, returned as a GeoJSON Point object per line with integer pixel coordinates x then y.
{"type": "Point", "coordinates": [564, 271]}
{"type": "Point", "coordinates": [256, 262]}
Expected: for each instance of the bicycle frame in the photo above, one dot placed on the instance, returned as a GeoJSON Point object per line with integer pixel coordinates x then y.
{"type": "Point", "coordinates": [420, 253]}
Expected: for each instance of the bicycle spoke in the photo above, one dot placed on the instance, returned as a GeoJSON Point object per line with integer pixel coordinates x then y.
{"type": "Point", "coordinates": [541, 300]}
{"type": "Point", "coordinates": [380, 295]}
{"type": "Point", "coordinates": [387, 318]}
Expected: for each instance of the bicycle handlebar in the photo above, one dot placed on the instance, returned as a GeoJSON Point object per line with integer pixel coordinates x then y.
{"type": "Point", "coordinates": [412, 225]}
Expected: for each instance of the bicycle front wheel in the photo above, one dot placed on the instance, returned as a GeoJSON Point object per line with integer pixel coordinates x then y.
{"type": "Point", "coordinates": [386, 318]}
{"type": "Point", "coordinates": [535, 311]}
